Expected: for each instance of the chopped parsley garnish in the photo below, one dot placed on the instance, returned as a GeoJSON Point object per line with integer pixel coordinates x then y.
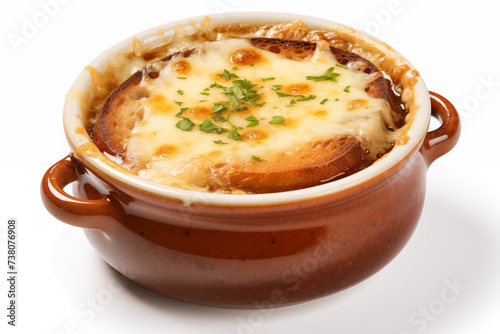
{"type": "Point", "coordinates": [286, 94]}
{"type": "Point", "coordinates": [219, 108]}
{"type": "Point", "coordinates": [219, 118]}
{"type": "Point", "coordinates": [323, 101]}
{"type": "Point", "coordinates": [220, 142]}
{"type": "Point", "coordinates": [181, 112]}
{"type": "Point", "coordinates": [337, 99]}
{"type": "Point", "coordinates": [241, 92]}
{"type": "Point", "coordinates": [267, 79]}
{"type": "Point", "coordinates": [182, 78]}
{"type": "Point", "coordinates": [342, 66]}
{"type": "Point", "coordinates": [235, 68]}
{"type": "Point", "coordinates": [329, 75]}
{"type": "Point", "coordinates": [202, 100]}
{"type": "Point", "coordinates": [204, 93]}
{"type": "Point", "coordinates": [209, 127]}
{"type": "Point", "coordinates": [253, 121]}
{"type": "Point", "coordinates": [310, 97]}
{"type": "Point", "coordinates": [180, 92]}
{"type": "Point", "coordinates": [292, 102]}
{"type": "Point", "coordinates": [216, 85]}
{"type": "Point", "coordinates": [256, 158]}
{"type": "Point", "coordinates": [346, 89]}
{"type": "Point", "coordinates": [228, 75]}
{"type": "Point", "coordinates": [179, 103]}
{"type": "Point", "coordinates": [185, 124]}
{"type": "Point", "coordinates": [277, 120]}
{"type": "Point", "coordinates": [233, 134]}
{"type": "Point", "coordinates": [276, 87]}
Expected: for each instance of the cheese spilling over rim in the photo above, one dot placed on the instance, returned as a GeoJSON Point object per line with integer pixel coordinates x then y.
{"type": "Point", "coordinates": [109, 70]}
{"type": "Point", "coordinates": [190, 120]}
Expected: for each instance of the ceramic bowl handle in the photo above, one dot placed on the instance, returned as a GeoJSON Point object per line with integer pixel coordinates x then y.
{"type": "Point", "coordinates": [441, 140]}
{"type": "Point", "coordinates": [89, 214]}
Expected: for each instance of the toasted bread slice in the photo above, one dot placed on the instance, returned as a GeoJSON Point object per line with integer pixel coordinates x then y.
{"type": "Point", "coordinates": [311, 165]}
{"type": "Point", "coordinates": [315, 161]}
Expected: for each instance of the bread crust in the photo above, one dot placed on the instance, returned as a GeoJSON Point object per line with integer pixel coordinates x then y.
{"type": "Point", "coordinates": [317, 163]}
{"type": "Point", "coordinates": [311, 165]}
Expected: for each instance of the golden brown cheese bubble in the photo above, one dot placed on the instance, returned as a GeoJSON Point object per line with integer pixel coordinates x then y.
{"type": "Point", "coordinates": [198, 113]}
{"type": "Point", "coordinates": [158, 103]}
{"type": "Point", "coordinates": [320, 113]}
{"type": "Point", "coordinates": [298, 88]}
{"type": "Point", "coordinates": [181, 67]}
{"type": "Point", "coordinates": [357, 104]}
{"type": "Point", "coordinates": [165, 151]}
{"type": "Point", "coordinates": [246, 57]}
{"type": "Point", "coordinates": [255, 134]}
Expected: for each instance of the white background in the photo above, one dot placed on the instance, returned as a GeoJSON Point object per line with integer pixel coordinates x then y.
{"type": "Point", "coordinates": [454, 45]}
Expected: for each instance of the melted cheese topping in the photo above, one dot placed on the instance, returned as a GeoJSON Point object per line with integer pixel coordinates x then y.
{"type": "Point", "coordinates": [168, 145]}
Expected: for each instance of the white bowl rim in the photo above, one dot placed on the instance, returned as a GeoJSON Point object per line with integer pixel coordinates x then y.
{"type": "Point", "coordinates": [72, 116]}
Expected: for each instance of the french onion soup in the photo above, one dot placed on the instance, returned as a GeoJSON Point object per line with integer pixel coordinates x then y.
{"type": "Point", "coordinates": [254, 108]}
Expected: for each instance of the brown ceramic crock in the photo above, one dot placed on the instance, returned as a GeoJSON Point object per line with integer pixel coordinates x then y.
{"type": "Point", "coordinates": [251, 250]}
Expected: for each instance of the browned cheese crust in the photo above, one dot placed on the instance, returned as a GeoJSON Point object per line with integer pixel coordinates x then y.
{"type": "Point", "coordinates": [310, 165]}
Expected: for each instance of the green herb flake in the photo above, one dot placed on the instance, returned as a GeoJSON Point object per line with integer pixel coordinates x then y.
{"type": "Point", "coordinates": [323, 101]}
{"type": "Point", "coordinates": [346, 89]}
{"type": "Point", "coordinates": [204, 93]}
{"type": "Point", "coordinates": [253, 121]}
{"type": "Point", "coordinates": [179, 103]}
{"type": "Point", "coordinates": [182, 78]}
{"type": "Point", "coordinates": [209, 127]}
{"type": "Point", "coordinates": [219, 118]}
{"type": "Point", "coordinates": [329, 75]}
{"type": "Point", "coordinates": [256, 158]}
{"type": "Point", "coordinates": [219, 107]}
{"type": "Point", "coordinates": [337, 99]}
{"type": "Point", "coordinates": [240, 93]}
{"type": "Point", "coordinates": [180, 92]}
{"type": "Point", "coordinates": [292, 102]}
{"type": "Point", "coordinates": [242, 108]}
{"type": "Point", "coordinates": [342, 66]}
{"type": "Point", "coordinates": [255, 105]}
{"type": "Point", "coordinates": [276, 87]}
{"type": "Point", "coordinates": [220, 142]}
{"type": "Point", "coordinates": [233, 134]}
{"type": "Point", "coordinates": [185, 124]}
{"type": "Point", "coordinates": [235, 68]}
{"type": "Point", "coordinates": [277, 120]}
{"type": "Point", "coordinates": [216, 85]}
{"type": "Point", "coordinates": [202, 100]}
{"type": "Point", "coordinates": [267, 79]}
{"type": "Point", "coordinates": [181, 112]}
{"type": "Point", "coordinates": [286, 94]}
{"type": "Point", "coordinates": [228, 75]}
{"type": "Point", "coordinates": [310, 97]}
